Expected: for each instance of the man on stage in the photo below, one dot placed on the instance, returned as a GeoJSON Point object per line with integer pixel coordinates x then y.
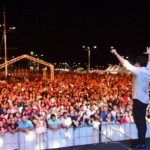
{"type": "Point", "coordinates": [140, 92]}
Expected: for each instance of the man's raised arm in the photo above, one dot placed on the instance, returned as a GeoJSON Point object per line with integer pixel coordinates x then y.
{"type": "Point", "coordinates": [124, 62]}
{"type": "Point", "coordinates": [148, 53]}
{"type": "Point", "coordinates": [119, 57]}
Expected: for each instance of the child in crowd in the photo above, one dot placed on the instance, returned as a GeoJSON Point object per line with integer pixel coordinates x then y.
{"type": "Point", "coordinates": [40, 128]}
{"type": "Point", "coordinates": [2, 129]}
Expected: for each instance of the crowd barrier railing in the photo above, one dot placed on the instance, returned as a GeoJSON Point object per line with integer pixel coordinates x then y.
{"type": "Point", "coordinates": [54, 139]}
{"type": "Point", "coordinates": [71, 137]}
{"type": "Point", "coordinates": [119, 132]}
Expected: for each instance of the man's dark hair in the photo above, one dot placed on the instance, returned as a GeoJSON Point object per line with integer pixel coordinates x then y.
{"type": "Point", "coordinates": [142, 60]}
{"type": "Point", "coordinates": [23, 115]}
{"type": "Point", "coordinates": [53, 115]}
{"type": "Point", "coordinates": [65, 113]}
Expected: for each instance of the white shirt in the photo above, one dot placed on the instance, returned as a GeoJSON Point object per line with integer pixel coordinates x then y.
{"type": "Point", "coordinates": [140, 81]}
{"type": "Point", "coordinates": [89, 112]}
{"type": "Point", "coordinates": [67, 121]}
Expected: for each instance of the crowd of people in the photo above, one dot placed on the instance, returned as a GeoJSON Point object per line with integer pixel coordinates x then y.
{"type": "Point", "coordinates": [71, 100]}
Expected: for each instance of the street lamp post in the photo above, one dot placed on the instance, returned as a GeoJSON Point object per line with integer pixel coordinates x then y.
{"type": "Point", "coordinates": [89, 49]}
{"type": "Point", "coordinates": [4, 30]}
{"type": "Point", "coordinates": [89, 58]}
{"type": "Point", "coordinates": [5, 45]}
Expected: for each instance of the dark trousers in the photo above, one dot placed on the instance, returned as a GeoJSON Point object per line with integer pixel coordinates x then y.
{"type": "Point", "coordinates": [139, 113]}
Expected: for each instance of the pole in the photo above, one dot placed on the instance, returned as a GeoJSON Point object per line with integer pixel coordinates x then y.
{"type": "Point", "coordinates": [52, 73]}
{"type": "Point", "coordinates": [5, 45]}
{"type": "Point", "coordinates": [89, 59]}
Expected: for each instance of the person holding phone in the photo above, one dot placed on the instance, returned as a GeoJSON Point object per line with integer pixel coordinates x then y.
{"type": "Point", "coordinates": [140, 92]}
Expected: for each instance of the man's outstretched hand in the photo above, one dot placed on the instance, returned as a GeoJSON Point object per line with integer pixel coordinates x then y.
{"type": "Point", "coordinates": [113, 50]}
{"type": "Point", "coordinates": [147, 51]}
{"type": "Point", "coordinates": [120, 58]}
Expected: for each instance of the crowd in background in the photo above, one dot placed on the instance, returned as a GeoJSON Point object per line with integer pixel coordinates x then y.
{"type": "Point", "coordinates": [71, 100]}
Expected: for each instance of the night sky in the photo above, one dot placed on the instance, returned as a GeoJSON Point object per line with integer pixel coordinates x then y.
{"type": "Point", "coordinates": [59, 28]}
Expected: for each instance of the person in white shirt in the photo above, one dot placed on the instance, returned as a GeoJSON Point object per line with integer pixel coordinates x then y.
{"type": "Point", "coordinates": [66, 121]}
{"type": "Point", "coordinates": [140, 93]}
{"type": "Point", "coordinates": [91, 111]}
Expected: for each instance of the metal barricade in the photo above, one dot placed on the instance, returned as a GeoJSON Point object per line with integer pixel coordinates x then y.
{"type": "Point", "coordinates": [71, 137]}
{"type": "Point", "coordinates": [120, 132]}
{"type": "Point", "coordinates": [54, 139]}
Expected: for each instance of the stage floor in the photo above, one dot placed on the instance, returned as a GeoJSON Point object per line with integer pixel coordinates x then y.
{"type": "Point", "coordinates": [104, 146]}
{"type": "Point", "coordinates": [125, 145]}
